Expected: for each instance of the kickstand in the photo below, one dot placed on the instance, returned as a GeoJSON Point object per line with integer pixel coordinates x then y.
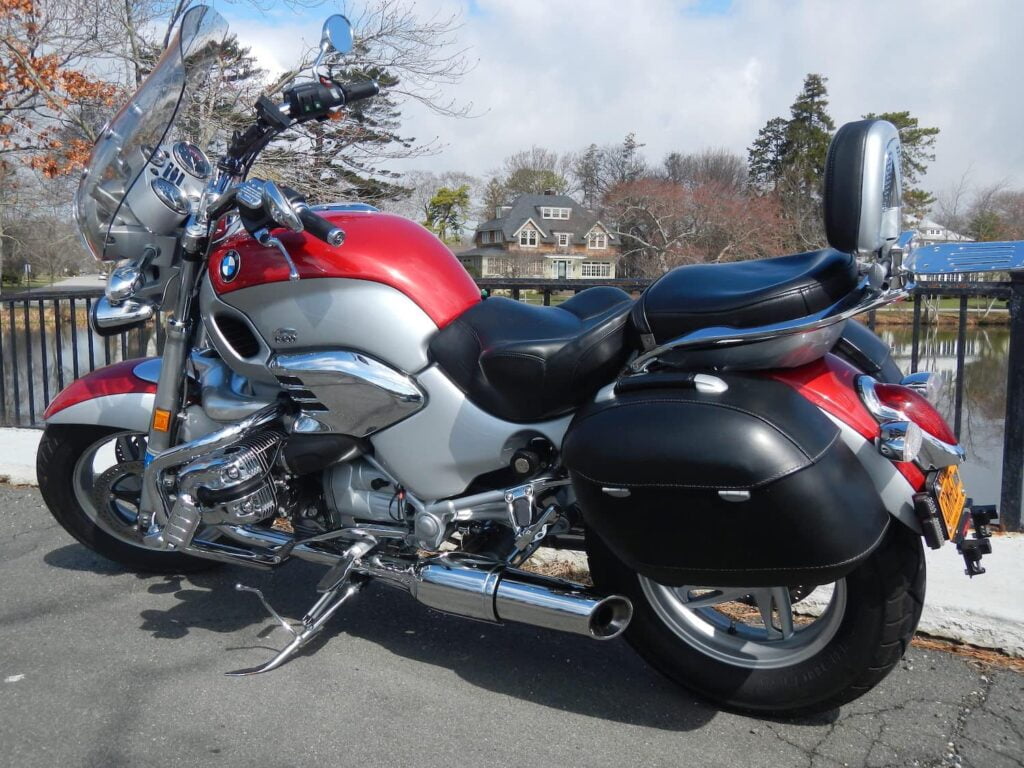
{"type": "Point", "coordinates": [341, 588]}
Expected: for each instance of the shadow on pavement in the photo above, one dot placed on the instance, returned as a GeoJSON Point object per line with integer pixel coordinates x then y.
{"type": "Point", "coordinates": [566, 672]}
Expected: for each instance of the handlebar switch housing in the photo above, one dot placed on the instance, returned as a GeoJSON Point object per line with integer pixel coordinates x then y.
{"type": "Point", "coordinates": [313, 100]}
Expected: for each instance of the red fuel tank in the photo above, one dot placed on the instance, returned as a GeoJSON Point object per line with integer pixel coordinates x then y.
{"type": "Point", "coordinates": [379, 247]}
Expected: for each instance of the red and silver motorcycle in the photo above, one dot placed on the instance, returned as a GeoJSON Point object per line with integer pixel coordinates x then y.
{"type": "Point", "coordinates": [746, 468]}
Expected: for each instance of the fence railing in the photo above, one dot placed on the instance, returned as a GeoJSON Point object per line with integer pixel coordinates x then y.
{"type": "Point", "coordinates": [46, 342]}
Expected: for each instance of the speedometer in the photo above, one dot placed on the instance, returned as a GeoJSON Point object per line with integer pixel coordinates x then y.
{"type": "Point", "coordinates": [191, 159]}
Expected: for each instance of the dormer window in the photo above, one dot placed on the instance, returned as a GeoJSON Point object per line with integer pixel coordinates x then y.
{"type": "Point", "coordinates": [554, 213]}
{"type": "Point", "coordinates": [528, 238]}
{"type": "Point", "coordinates": [597, 240]}
{"type": "Point", "coordinates": [563, 239]}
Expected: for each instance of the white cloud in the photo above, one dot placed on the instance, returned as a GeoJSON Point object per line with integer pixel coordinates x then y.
{"type": "Point", "coordinates": [565, 73]}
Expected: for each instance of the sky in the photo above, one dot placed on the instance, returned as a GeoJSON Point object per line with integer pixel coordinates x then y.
{"type": "Point", "coordinates": [692, 74]}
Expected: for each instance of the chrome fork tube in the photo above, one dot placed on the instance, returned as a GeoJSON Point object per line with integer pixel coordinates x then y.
{"type": "Point", "coordinates": [169, 388]}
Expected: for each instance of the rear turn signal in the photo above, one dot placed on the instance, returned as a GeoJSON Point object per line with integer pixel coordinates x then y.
{"type": "Point", "coordinates": [900, 440]}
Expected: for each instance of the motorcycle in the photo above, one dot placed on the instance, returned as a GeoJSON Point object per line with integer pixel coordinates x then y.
{"type": "Point", "coordinates": [334, 388]}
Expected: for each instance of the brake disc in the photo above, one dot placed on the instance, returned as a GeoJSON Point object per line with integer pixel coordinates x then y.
{"type": "Point", "coordinates": [117, 495]}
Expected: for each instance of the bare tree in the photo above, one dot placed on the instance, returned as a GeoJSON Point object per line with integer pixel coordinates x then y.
{"type": "Point", "coordinates": [710, 166]}
{"type": "Point", "coordinates": [950, 208]}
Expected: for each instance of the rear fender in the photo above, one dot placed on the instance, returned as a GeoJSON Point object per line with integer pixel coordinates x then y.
{"type": "Point", "coordinates": [119, 395]}
{"type": "Point", "coordinates": [893, 488]}
{"type": "Point", "coordinates": [829, 384]}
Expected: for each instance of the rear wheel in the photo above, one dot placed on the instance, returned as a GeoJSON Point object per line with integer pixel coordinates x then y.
{"type": "Point", "coordinates": [748, 649]}
{"type": "Point", "coordinates": [91, 480]}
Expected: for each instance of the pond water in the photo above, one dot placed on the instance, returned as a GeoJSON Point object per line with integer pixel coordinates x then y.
{"type": "Point", "coordinates": [984, 397]}
{"type": "Point", "coordinates": [981, 432]}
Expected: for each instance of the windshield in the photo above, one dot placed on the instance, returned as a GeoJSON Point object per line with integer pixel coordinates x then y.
{"type": "Point", "coordinates": [110, 229]}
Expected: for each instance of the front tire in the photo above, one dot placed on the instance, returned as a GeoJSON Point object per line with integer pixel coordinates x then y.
{"type": "Point", "coordinates": [855, 642]}
{"type": "Point", "coordinates": [70, 461]}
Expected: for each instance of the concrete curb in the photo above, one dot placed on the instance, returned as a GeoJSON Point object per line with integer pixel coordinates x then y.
{"type": "Point", "coordinates": [987, 611]}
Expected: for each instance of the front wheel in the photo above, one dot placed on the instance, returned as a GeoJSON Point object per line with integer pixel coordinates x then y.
{"type": "Point", "coordinates": [91, 481]}
{"type": "Point", "coordinates": [747, 649]}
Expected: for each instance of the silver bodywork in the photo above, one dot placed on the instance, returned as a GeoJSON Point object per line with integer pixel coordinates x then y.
{"type": "Point", "coordinates": [327, 313]}
{"type": "Point", "coordinates": [437, 452]}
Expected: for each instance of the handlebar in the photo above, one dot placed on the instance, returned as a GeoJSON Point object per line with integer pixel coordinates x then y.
{"type": "Point", "coordinates": [319, 227]}
{"type": "Point", "coordinates": [357, 91]}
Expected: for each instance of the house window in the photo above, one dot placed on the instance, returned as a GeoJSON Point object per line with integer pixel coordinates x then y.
{"type": "Point", "coordinates": [528, 238]}
{"type": "Point", "coordinates": [595, 269]}
{"type": "Point", "coordinates": [597, 240]}
{"type": "Point", "coordinates": [563, 239]}
{"type": "Point", "coordinates": [554, 213]}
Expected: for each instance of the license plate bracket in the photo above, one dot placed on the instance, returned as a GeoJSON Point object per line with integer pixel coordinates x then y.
{"type": "Point", "coordinates": [948, 489]}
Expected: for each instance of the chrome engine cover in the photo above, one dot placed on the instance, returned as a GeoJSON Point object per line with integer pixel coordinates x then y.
{"type": "Point", "coordinates": [234, 485]}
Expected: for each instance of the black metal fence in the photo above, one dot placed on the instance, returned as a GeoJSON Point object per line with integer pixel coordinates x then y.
{"type": "Point", "coordinates": [46, 342]}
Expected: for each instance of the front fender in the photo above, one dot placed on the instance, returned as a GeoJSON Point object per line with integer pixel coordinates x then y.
{"type": "Point", "coordinates": [119, 395]}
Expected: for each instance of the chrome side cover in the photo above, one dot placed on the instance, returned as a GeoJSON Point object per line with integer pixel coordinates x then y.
{"type": "Point", "coordinates": [348, 392]}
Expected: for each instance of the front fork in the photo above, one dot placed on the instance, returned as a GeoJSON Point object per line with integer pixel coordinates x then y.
{"type": "Point", "coordinates": [170, 388]}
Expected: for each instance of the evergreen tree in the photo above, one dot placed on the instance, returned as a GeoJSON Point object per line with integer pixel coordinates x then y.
{"type": "Point", "coordinates": [808, 134]}
{"type": "Point", "coordinates": [344, 159]}
{"type": "Point", "coordinates": [916, 152]}
{"type": "Point", "coordinates": [766, 155]}
{"type": "Point", "coordinates": [446, 212]}
{"type": "Point", "coordinates": [788, 158]}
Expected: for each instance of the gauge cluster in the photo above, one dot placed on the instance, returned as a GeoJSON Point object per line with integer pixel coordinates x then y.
{"type": "Point", "coordinates": [164, 194]}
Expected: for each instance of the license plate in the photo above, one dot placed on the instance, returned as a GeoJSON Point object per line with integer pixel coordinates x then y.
{"type": "Point", "coordinates": [951, 497]}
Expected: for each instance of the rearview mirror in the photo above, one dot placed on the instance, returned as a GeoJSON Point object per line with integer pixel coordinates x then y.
{"type": "Point", "coordinates": [336, 35]}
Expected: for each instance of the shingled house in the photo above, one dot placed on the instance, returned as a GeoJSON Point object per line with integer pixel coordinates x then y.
{"type": "Point", "coordinates": [544, 236]}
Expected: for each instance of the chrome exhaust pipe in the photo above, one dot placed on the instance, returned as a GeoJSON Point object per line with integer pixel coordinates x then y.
{"type": "Point", "coordinates": [455, 583]}
{"type": "Point", "coordinates": [480, 589]}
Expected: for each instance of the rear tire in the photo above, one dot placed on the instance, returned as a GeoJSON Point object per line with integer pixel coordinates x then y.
{"type": "Point", "coordinates": [880, 607]}
{"type": "Point", "coordinates": [61, 450]}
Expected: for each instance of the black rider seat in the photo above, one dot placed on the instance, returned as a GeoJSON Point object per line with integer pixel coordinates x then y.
{"type": "Point", "coordinates": [743, 294]}
{"type": "Point", "coordinates": [526, 363]}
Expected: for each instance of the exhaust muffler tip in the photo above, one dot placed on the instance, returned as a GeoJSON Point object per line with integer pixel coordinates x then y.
{"type": "Point", "coordinates": [610, 617]}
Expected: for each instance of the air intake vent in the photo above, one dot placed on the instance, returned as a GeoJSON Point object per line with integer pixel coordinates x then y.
{"type": "Point", "coordinates": [238, 335]}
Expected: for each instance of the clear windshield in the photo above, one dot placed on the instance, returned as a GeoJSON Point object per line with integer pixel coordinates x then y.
{"type": "Point", "coordinates": [132, 138]}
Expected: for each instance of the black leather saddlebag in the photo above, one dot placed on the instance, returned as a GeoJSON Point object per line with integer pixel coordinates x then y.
{"type": "Point", "coordinates": [749, 487]}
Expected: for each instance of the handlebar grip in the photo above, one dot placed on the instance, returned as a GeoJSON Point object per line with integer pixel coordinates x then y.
{"type": "Point", "coordinates": [320, 228]}
{"type": "Point", "coordinates": [357, 91]}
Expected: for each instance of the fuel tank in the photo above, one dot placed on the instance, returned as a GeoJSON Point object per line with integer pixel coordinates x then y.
{"type": "Point", "coordinates": [384, 291]}
{"type": "Point", "coordinates": [379, 247]}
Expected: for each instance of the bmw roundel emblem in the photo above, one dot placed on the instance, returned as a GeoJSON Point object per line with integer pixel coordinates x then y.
{"type": "Point", "coordinates": [230, 266]}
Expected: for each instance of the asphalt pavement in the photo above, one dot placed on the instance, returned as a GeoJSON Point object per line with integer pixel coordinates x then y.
{"type": "Point", "coordinates": [101, 667]}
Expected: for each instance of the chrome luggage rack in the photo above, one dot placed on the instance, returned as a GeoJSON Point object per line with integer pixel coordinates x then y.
{"type": "Point", "coordinates": [794, 342]}
{"type": "Point", "coordinates": [805, 339]}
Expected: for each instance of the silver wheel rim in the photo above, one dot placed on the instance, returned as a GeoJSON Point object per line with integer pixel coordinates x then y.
{"type": "Point", "coordinates": [772, 641]}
